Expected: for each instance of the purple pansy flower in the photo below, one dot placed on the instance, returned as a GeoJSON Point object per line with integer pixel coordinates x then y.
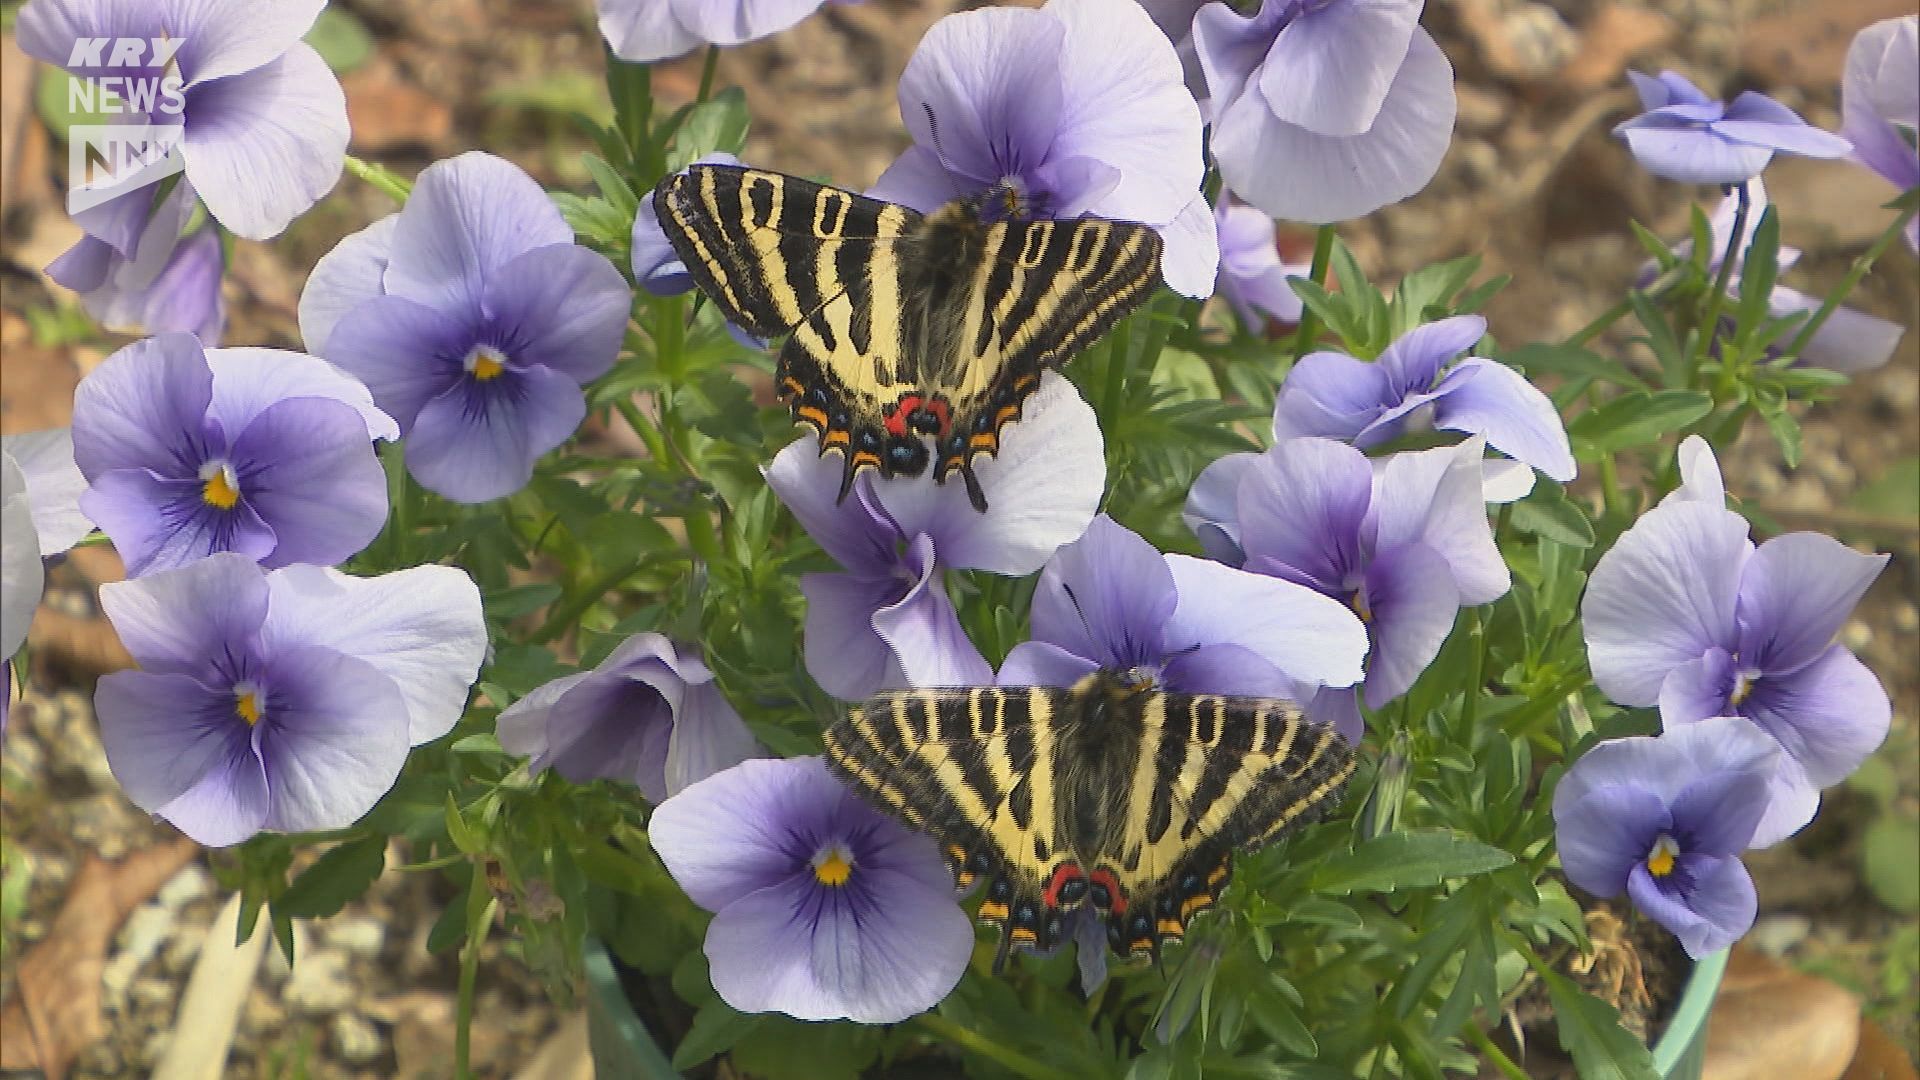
{"type": "Point", "coordinates": [1418, 382]}
{"type": "Point", "coordinates": [281, 700]}
{"type": "Point", "coordinates": [263, 121]}
{"type": "Point", "coordinates": [642, 31]}
{"type": "Point", "coordinates": [885, 620]}
{"type": "Point", "coordinates": [1110, 601]}
{"type": "Point", "coordinates": [188, 451]}
{"type": "Point", "coordinates": [1880, 104]}
{"type": "Point", "coordinates": [823, 907]}
{"type": "Point", "coordinates": [1686, 613]}
{"type": "Point", "coordinates": [168, 282]}
{"type": "Point", "coordinates": [40, 517]}
{"type": "Point", "coordinates": [475, 319]}
{"type": "Point", "coordinates": [1687, 136]}
{"type": "Point", "coordinates": [1664, 820]}
{"type": "Point", "coordinates": [1253, 277]}
{"type": "Point", "coordinates": [1406, 546]}
{"type": "Point", "coordinates": [1077, 108]}
{"type": "Point", "coordinates": [1850, 341]}
{"type": "Point", "coordinates": [646, 715]}
{"type": "Point", "coordinates": [1325, 110]}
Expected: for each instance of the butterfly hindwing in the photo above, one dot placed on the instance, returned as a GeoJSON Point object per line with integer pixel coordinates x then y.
{"type": "Point", "coordinates": [1127, 799]}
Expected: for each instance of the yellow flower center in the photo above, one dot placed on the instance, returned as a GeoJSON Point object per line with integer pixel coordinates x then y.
{"type": "Point", "coordinates": [1742, 687]}
{"type": "Point", "coordinates": [220, 488]}
{"type": "Point", "coordinates": [833, 865]}
{"type": "Point", "coordinates": [485, 362]}
{"type": "Point", "coordinates": [246, 703]}
{"type": "Point", "coordinates": [1358, 602]}
{"type": "Point", "coordinates": [1661, 859]}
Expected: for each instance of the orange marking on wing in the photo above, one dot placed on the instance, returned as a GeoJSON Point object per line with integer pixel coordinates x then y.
{"type": "Point", "coordinates": [816, 417]}
{"type": "Point", "coordinates": [835, 438]}
{"type": "Point", "coordinates": [993, 911]}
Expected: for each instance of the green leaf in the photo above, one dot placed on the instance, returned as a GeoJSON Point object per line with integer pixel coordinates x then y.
{"type": "Point", "coordinates": [512, 603]}
{"type": "Point", "coordinates": [1635, 419]}
{"type": "Point", "coordinates": [341, 39]}
{"type": "Point", "coordinates": [1547, 512]}
{"type": "Point", "coordinates": [1590, 1030]}
{"type": "Point", "coordinates": [1890, 860]}
{"type": "Point", "coordinates": [1757, 273]}
{"type": "Point", "coordinates": [335, 878]}
{"type": "Point", "coordinates": [1660, 338]}
{"type": "Point", "coordinates": [1895, 494]}
{"type": "Point", "coordinates": [612, 186]}
{"type": "Point", "coordinates": [1280, 1023]}
{"type": "Point", "coordinates": [1548, 358]}
{"type": "Point", "coordinates": [716, 1028]}
{"type": "Point", "coordinates": [783, 1049]}
{"type": "Point", "coordinates": [1406, 860]}
{"type": "Point", "coordinates": [718, 125]}
{"type": "Point", "coordinates": [1786, 432]}
{"type": "Point", "coordinates": [1428, 292]}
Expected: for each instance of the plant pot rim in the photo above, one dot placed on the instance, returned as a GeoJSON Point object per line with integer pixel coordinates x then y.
{"type": "Point", "coordinates": [1684, 1040]}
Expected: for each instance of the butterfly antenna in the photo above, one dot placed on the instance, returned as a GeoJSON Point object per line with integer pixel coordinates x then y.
{"type": "Point", "coordinates": [953, 177]}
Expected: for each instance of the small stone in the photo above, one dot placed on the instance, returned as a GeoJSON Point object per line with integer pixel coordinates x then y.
{"type": "Point", "coordinates": [152, 992]}
{"type": "Point", "coordinates": [156, 1046]}
{"type": "Point", "coordinates": [1479, 111]}
{"type": "Point", "coordinates": [355, 1037]}
{"type": "Point", "coordinates": [183, 949]}
{"type": "Point", "coordinates": [1776, 935]}
{"type": "Point", "coordinates": [320, 984]}
{"type": "Point", "coordinates": [1856, 635]}
{"type": "Point", "coordinates": [145, 931]}
{"type": "Point", "coordinates": [1770, 1021]}
{"type": "Point", "coordinates": [190, 884]}
{"type": "Point", "coordinates": [355, 936]}
{"type": "Point", "coordinates": [1906, 617]}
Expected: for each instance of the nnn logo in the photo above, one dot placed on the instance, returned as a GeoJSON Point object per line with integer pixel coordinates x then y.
{"type": "Point", "coordinates": [105, 161]}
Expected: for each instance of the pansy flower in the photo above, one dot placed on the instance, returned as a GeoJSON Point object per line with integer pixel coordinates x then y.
{"type": "Point", "coordinates": [282, 700]}
{"type": "Point", "coordinates": [1325, 110]}
{"type": "Point", "coordinates": [646, 715]}
{"type": "Point", "coordinates": [1253, 277]}
{"type": "Point", "coordinates": [823, 907]}
{"type": "Point", "coordinates": [475, 319]}
{"type": "Point", "coordinates": [40, 517]}
{"type": "Point", "coordinates": [1664, 820]}
{"type": "Point", "coordinates": [642, 31]}
{"type": "Point", "coordinates": [1110, 601]}
{"type": "Point", "coordinates": [884, 620]}
{"type": "Point", "coordinates": [1685, 613]}
{"type": "Point", "coordinates": [168, 282]}
{"type": "Point", "coordinates": [1077, 108]}
{"type": "Point", "coordinates": [1880, 104]}
{"type": "Point", "coordinates": [1405, 546]}
{"type": "Point", "coordinates": [188, 451]}
{"type": "Point", "coordinates": [1687, 136]}
{"type": "Point", "coordinates": [262, 119]}
{"type": "Point", "coordinates": [1419, 381]}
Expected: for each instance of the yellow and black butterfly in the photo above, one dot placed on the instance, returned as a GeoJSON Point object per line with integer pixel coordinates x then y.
{"type": "Point", "coordinates": [903, 327]}
{"type": "Point", "coordinates": [1110, 793]}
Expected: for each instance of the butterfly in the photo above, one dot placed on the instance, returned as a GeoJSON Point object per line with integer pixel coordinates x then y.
{"type": "Point", "coordinates": [903, 328]}
{"type": "Point", "coordinates": [1110, 794]}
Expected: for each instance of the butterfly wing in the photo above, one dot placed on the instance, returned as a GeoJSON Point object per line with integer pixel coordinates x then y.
{"type": "Point", "coordinates": [782, 255]}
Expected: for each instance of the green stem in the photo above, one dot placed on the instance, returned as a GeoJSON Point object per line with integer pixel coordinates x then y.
{"type": "Point", "coordinates": [470, 975]}
{"type": "Point", "coordinates": [707, 69]}
{"type": "Point", "coordinates": [380, 178]}
{"type": "Point", "coordinates": [1600, 323]}
{"type": "Point", "coordinates": [398, 523]}
{"type": "Point", "coordinates": [1007, 1058]}
{"type": "Point", "coordinates": [1317, 273]}
{"type": "Point", "coordinates": [1854, 273]}
{"type": "Point", "coordinates": [1470, 705]}
{"type": "Point", "coordinates": [1717, 296]}
{"type": "Point", "coordinates": [1118, 346]}
{"type": "Point", "coordinates": [569, 613]}
{"type": "Point", "coordinates": [1493, 1054]}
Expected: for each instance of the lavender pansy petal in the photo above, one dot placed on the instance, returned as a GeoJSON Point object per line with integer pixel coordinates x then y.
{"type": "Point", "coordinates": [247, 381]}
{"type": "Point", "coordinates": [176, 620]}
{"type": "Point", "coordinates": [1225, 668]}
{"type": "Point", "coordinates": [1699, 475]}
{"type": "Point", "coordinates": [1718, 811]}
{"type": "Point", "coordinates": [343, 279]}
{"type": "Point", "coordinates": [856, 532]}
{"type": "Point", "coordinates": [1330, 395]}
{"type": "Point", "coordinates": [1699, 688]}
{"type": "Point", "coordinates": [228, 804]}
{"type": "Point", "coordinates": [219, 38]}
{"type": "Point", "coordinates": [85, 266]}
{"type": "Point", "coordinates": [161, 524]}
{"type": "Point", "coordinates": [1212, 510]}
{"type": "Point", "coordinates": [1795, 594]}
{"type": "Point", "coordinates": [1694, 157]}
{"type": "Point", "coordinates": [1076, 184]}
{"type": "Point", "coordinates": [144, 407]}
{"type": "Point", "coordinates": [1883, 70]}
{"type": "Point", "coordinates": [167, 733]}
{"type": "Point", "coordinates": [1312, 638]}
{"type": "Point", "coordinates": [1504, 480]}
{"type": "Point", "coordinates": [1486, 397]}
{"type": "Point", "coordinates": [1756, 118]}
{"type": "Point", "coordinates": [333, 739]}
{"type": "Point", "coordinates": [1667, 764]}
{"type": "Point", "coordinates": [563, 307]}
{"type": "Point", "coordinates": [1436, 497]}
{"type": "Point", "coordinates": [1041, 489]}
{"type": "Point", "coordinates": [917, 178]}
{"type": "Point", "coordinates": [1792, 800]}
{"type": "Point", "coordinates": [421, 627]}
{"type": "Point", "coordinates": [1850, 341]}
{"type": "Point", "coordinates": [22, 576]}
{"type": "Point", "coordinates": [1412, 602]}
{"type": "Point", "coordinates": [307, 467]}
{"type": "Point", "coordinates": [708, 737]}
{"type": "Point", "coordinates": [1230, 47]}
{"type": "Point", "coordinates": [1605, 833]}
{"type": "Point", "coordinates": [1302, 504]}
{"type": "Point", "coordinates": [643, 31]}
{"type": "Point", "coordinates": [1330, 178]}
{"type": "Point", "coordinates": [1829, 715]}
{"type": "Point", "coordinates": [1190, 262]}
{"type": "Point", "coordinates": [47, 29]}
{"type": "Point", "coordinates": [468, 217]}
{"type": "Point", "coordinates": [53, 484]}
{"type": "Point", "coordinates": [610, 727]}
{"type": "Point", "coordinates": [1338, 708]}
{"type": "Point", "coordinates": [737, 23]}
{"type": "Point", "coordinates": [924, 634]}
{"type": "Point", "coordinates": [184, 297]}
{"type": "Point", "coordinates": [263, 146]}
{"type": "Point", "coordinates": [1415, 358]}
{"type": "Point", "coordinates": [406, 353]}
{"type": "Point", "coordinates": [844, 653]}
{"type": "Point", "coordinates": [1042, 663]}
{"type": "Point", "coordinates": [992, 79]}
{"type": "Point", "coordinates": [1715, 911]}
{"type": "Point", "coordinates": [525, 727]}
{"type": "Point", "coordinates": [1330, 68]}
{"type": "Point", "coordinates": [478, 442]}
{"type": "Point", "coordinates": [1106, 597]}
{"type": "Point", "coordinates": [1663, 596]}
{"type": "Point", "coordinates": [744, 829]}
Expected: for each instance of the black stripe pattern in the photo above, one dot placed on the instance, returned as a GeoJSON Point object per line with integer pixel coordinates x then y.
{"type": "Point", "coordinates": [1109, 794]}
{"type": "Point", "coordinates": [904, 331]}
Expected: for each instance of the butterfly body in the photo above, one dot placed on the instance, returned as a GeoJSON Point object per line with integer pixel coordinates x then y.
{"type": "Point", "coordinates": [1109, 794]}
{"type": "Point", "coordinates": [912, 339]}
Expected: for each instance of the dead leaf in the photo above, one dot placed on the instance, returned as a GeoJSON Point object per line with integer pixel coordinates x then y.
{"type": "Point", "coordinates": [55, 1010]}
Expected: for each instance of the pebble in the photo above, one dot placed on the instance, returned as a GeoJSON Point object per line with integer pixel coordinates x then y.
{"type": "Point", "coordinates": [356, 1039]}
{"type": "Point", "coordinates": [320, 984]}
{"type": "Point", "coordinates": [1906, 617]}
{"type": "Point", "coordinates": [356, 936]}
{"type": "Point", "coordinates": [153, 992]}
{"type": "Point", "coordinates": [190, 884]}
{"type": "Point", "coordinates": [1856, 635]}
{"type": "Point", "coordinates": [183, 948]}
{"type": "Point", "coordinates": [1776, 935]}
{"type": "Point", "coordinates": [145, 931]}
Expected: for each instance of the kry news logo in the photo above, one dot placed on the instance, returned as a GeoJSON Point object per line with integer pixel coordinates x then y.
{"type": "Point", "coordinates": [135, 78]}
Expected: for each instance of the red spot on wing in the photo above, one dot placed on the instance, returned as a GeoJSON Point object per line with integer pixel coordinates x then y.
{"type": "Point", "coordinates": [1062, 876]}
{"type": "Point", "coordinates": [1105, 877]}
{"type": "Point", "coordinates": [896, 417]}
